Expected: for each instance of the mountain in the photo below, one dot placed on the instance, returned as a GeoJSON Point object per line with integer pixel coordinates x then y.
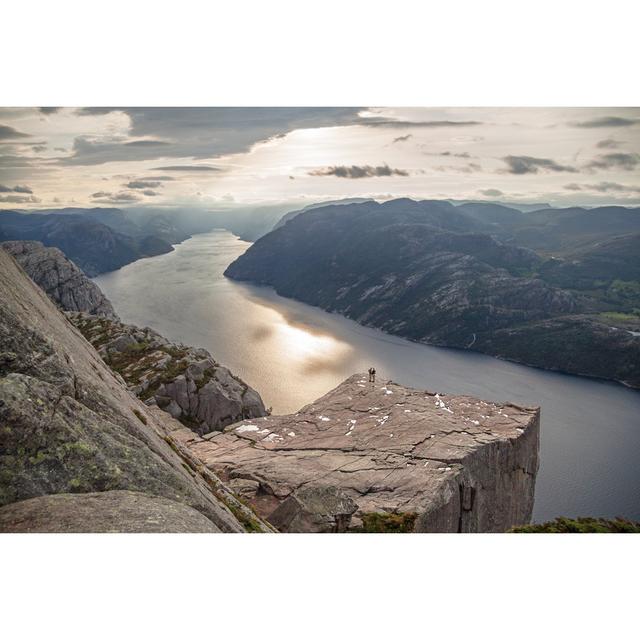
{"type": "Point", "coordinates": [292, 214]}
{"type": "Point", "coordinates": [524, 207]}
{"type": "Point", "coordinates": [414, 269]}
{"type": "Point", "coordinates": [79, 451]}
{"type": "Point", "coordinates": [64, 283]}
{"type": "Point", "coordinates": [92, 245]}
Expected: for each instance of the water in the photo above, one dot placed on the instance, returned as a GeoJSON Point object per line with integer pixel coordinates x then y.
{"type": "Point", "coordinates": [293, 353]}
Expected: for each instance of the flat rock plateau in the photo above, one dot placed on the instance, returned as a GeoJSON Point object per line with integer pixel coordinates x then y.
{"type": "Point", "coordinates": [382, 457]}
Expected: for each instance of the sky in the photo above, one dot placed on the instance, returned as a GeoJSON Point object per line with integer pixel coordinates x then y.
{"type": "Point", "coordinates": [225, 157]}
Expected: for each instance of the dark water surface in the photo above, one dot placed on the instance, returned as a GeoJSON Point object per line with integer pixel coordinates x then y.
{"type": "Point", "coordinates": [293, 353]}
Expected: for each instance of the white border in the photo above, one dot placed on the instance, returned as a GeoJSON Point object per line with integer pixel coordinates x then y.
{"type": "Point", "coordinates": [487, 53]}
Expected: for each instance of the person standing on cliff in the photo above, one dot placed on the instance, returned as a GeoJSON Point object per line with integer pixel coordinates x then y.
{"type": "Point", "coordinates": [372, 374]}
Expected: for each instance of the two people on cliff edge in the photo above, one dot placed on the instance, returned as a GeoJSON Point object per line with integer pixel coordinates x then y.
{"type": "Point", "coordinates": [372, 374]}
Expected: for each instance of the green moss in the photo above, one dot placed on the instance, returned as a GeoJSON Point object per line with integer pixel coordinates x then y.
{"type": "Point", "coordinates": [207, 376]}
{"type": "Point", "coordinates": [581, 525]}
{"type": "Point", "coordinates": [387, 523]}
{"type": "Point", "coordinates": [620, 317]}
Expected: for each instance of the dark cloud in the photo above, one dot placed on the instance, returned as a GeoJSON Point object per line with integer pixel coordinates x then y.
{"type": "Point", "coordinates": [491, 192]}
{"type": "Point", "coordinates": [17, 189]}
{"type": "Point", "coordinates": [189, 167]}
{"type": "Point", "coordinates": [91, 150]}
{"type": "Point", "coordinates": [355, 171]}
{"type": "Point", "coordinates": [625, 161]}
{"type": "Point", "coordinates": [603, 187]}
{"type": "Point", "coordinates": [143, 184]}
{"type": "Point", "coordinates": [609, 143]}
{"type": "Point", "coordinates": [521, 165]}
{"type": "Point", "coordinates": [455, 155]}
{"type": "Point", "coordinates": [9, 133]}
{"type": "Point", "coordinates": [607, 121]}
{"type": "Point", "coordinates": [20, 199]}
{"type": "Point", "coordinates": [150, 192]}
{"type": "Point", "coordinates": [161, 178]}
{"type": "Point", "coordinates": [22, 189]}
{"type": "Point", "coordinates": [48, 110]}
{"type": "Point", "coordinates": [202, 132]}
{"type": "Point", "coordinates": [402, 138]}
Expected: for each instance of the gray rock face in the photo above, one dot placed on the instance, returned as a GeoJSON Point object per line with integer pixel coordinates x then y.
{"type": "Point", "coordinates": [450, 463]}
{"type": "Point", "coordinates": [107, 512]}
{"type": "Point", "coordinates": [185, 382]}
{"type": "Point", "coordinates": [60, 278]}
{"type": "Point", "coordinates": [70, 426]}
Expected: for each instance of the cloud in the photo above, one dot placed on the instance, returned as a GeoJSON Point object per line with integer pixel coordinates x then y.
{"type": "Point", "coordinates": [491, 192]}
{"type": "Point", "coordinates": [625, 161]}
{"type": "Point", "coordinates": [160, 178]}
{"type": "Point", "coordinates": [115, 198]}
{"type": "Point", "coordinates": [603, 187]}
{"type": "Point", "coordinates": [355, 171]}
{"type": "Point", "coordinates": [607, 121]}
{"type": "Point", "coordinates": [16, 189]}
{"type": "Point", "coordinates": [609, 143]}
{"type": "Point", "coordinates": [22, 189]}
{"type": "Point", "coordinates": [48, 110]}
{"type": "Point", "coordinates": [143, 184]}
{"type": "Point", "coordinates": [470, 167]}
{"type": "Point", "coordinates": [150, 192]}
{"type": "Point", "coordinates": [19, 199]}
{"type": "Point", "coordinates": [9, 133]}
{"type": "Point", "coordinates": [189, 167]}
{"type": "Point", "coordinates": [402, 138]}
{"type": "Point", "coordinates": [92, 150]}
{"type": "Point", "coordinates": [521, 165]}
{"type": "Point", "coordinates": [455, 155]}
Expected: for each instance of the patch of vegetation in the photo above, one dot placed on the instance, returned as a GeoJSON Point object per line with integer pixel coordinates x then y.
{"type": "Point", "coordinates": [387, 523]}
{"type": "Point", "coordinates": [617, 316]}
{"type": "Point", "coordinates": [206, 377]}
{"type": "Point", "coordinates": [581, 525]}
{"type": "Point", "coordinates": [140, 416]}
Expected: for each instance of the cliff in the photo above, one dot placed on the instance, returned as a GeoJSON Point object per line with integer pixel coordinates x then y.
{"type": "Point", "coordinates": [60, 278]}
{"type": "Point", "coordinates": [382, 457]}
{"type": "Point", "coordinates": [185, 382]}
{"type": "Point", "coordinates": [78, 451]}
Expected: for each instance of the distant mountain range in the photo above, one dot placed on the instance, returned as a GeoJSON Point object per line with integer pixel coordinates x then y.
{"type": "Point", "coordinates": [103, 239]}
{"type": "Point", "coordinates": [554, 288]}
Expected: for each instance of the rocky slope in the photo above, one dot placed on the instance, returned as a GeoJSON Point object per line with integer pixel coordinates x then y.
{"type": "Point", "coordinates": [60, 278]}
{"type": "Point", "coordinates": [427, 272]}
{"type": "Point", "coordinates": [71, 429]}
{"type": "Point", "coordinates": [185, 382]}
{"type": "Point", "coordinates": [382, 457]}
